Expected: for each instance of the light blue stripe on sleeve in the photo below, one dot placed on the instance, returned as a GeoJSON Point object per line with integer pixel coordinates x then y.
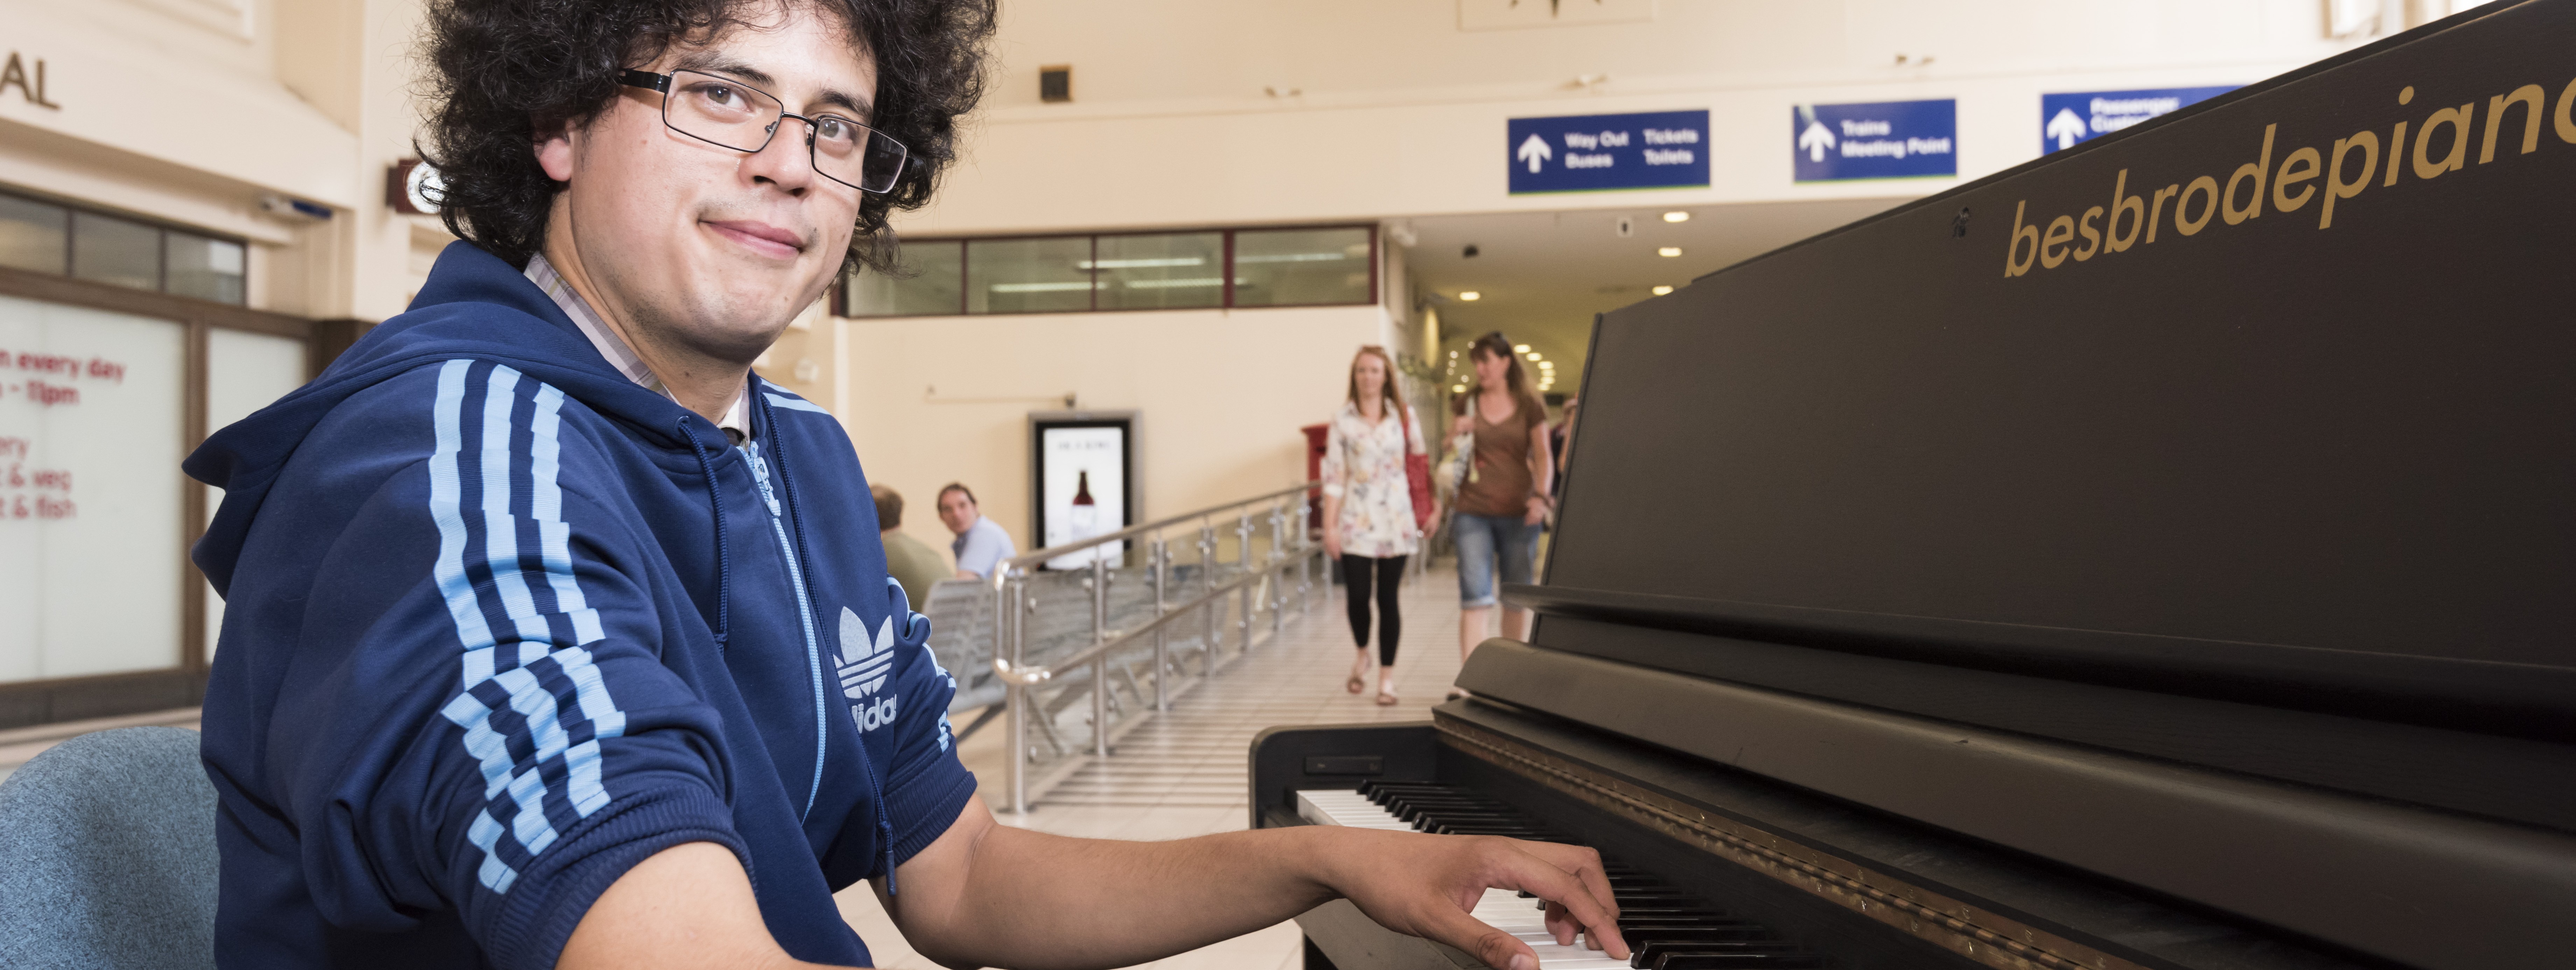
{"type": "Point", "coordinates": [546, 506]}
{"type": "Point", "coordinates": [446, 495]}
{"type": "Point", "coordinates": [795, 404]}
{"type": "Point", "coordinates": [500, 528]}
{"type": "Point", "coordinates": [495, 874]}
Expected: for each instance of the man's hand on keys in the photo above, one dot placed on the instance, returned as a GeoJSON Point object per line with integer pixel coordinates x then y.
{"type": "Point", "coordinates": [1428, 885]}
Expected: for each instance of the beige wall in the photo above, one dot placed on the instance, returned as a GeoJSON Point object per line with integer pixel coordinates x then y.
{"type": "Point", "coordinates": [1222, 394]}
{"type": "Point", "coordinates": [1398, 111]}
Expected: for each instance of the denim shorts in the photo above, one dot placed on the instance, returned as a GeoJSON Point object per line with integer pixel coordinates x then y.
{"type": "Point", "coordinates": [1480, 538]}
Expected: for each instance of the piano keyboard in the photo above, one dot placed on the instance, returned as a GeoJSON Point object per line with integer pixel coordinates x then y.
{"type": "Point", "coordinates": [1667, 927]}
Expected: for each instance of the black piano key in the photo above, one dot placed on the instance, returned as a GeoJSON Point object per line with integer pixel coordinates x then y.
{"type": "Point", "coordinates": [1735, 961]}
{"type": "Point", "coordinates": [1642, 957]}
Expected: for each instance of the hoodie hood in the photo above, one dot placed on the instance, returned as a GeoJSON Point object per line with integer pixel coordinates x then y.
{"type": "Point", "coordinates": [474, 306]}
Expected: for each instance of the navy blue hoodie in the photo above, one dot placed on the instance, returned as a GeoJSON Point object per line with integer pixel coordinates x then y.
{"type": "Point", "coordinates": [501, 623]}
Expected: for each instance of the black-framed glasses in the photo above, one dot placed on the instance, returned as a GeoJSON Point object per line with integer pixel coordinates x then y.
{"type": "Point", "coordinates": [730, 114]}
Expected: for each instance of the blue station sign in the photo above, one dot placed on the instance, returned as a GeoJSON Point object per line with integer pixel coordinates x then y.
{"type": "Point", "coordinates": [1587, 153]}
{"type": "Point", "coordinates": [1883, 140]}
{"type": "Point", "coordinates": [2066, 120]}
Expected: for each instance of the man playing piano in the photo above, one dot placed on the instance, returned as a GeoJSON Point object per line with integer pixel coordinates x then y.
{"type": "Point", "coordinates": [557, 639]}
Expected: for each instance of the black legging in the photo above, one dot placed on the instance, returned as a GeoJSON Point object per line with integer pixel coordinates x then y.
{"type": "Point", "coordinates": [1355, 574]}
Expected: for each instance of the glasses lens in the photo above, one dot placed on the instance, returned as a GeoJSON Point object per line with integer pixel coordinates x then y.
{"type": "Point", "coordinates": [854, 153]}
{"type": "Point", "coordinates": [721, 111]}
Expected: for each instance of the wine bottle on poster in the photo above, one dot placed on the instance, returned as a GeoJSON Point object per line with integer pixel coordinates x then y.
{"type": "Point", "coordinates": [1083, 520]}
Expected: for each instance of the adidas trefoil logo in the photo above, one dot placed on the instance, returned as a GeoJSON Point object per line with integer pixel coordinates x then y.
{"type": "Point", "coordinates": [866, 663]}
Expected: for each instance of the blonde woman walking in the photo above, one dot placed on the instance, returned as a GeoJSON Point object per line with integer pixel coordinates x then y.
{"type": "Point", "coordinates": [1368, 507]}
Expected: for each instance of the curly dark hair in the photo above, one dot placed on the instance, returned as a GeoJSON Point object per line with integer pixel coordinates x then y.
{"type": "Point", "coordinates": [502, 70]}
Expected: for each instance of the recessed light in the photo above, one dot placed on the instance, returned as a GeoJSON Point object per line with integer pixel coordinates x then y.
{"type": "Point", "coordinates": [1470, 296]}
{"type": "Point", "coordinates": [1520, 348]}
{"type": "Point", "coordinates": [1669, 251]}
{"type": "Point", "coordinates": [1661, 290]}
{"type": "Point", "coordinates": [1676, 217]}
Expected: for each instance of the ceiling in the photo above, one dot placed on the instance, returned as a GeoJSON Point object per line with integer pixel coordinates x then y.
{"type": "Point", "coordinates": [1540, 276]}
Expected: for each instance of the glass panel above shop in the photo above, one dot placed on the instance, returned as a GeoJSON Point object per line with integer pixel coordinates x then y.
{"type": "Point", "coordinates": [1301, 267]}
{"type": "Point", "coordinates": [930, 284]}
{"type": "Point", "coordinates": [118, 252]}
{"type": "Point", "coordinates": [1028, 275]}
{"type": "Point", "coordinates": [1202, 269]}
{"type": "Point", "coordinates": [208, 269]}
{"type": "Point", "coordinates": [1163, 271]}
{"type": "Point", "coordinates": [64, 240]}
{"type": "Point", "coordinates": [34, 235]}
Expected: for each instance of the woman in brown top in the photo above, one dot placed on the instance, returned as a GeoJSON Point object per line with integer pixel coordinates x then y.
{"type": "Point", "coordinates": [1505, 496]}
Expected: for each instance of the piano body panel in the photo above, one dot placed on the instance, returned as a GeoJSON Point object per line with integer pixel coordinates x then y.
{"type": "Point", "coordinates": [2265, 432]}
{"type": "Point", "coordinates": [1286, 759]}
{"type": "Point", "coordinates": [2511, 779]}
{"type": "Point", "coordinates": [2419, 887]}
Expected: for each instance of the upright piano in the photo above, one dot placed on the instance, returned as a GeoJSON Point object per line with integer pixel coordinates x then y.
{"type": "Point", "coordinates": [2158, 555]}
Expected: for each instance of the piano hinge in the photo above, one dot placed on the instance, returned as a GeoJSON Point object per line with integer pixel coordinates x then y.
{"type": "Point", "coordinates": [1988, 938]}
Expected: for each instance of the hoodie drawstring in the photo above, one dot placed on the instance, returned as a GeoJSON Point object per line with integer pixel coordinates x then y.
{"type": "Point", "coordinates": [796, 517]}
{"type": "Point", "coordinates": [724, 551]}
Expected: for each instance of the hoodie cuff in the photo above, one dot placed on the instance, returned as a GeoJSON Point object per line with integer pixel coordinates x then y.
{"type": "Point", "coordinates": [537, 917]}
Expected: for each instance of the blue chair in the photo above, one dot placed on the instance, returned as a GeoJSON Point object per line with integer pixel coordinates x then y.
{"type": "Point", "coordinates": [107, 855]}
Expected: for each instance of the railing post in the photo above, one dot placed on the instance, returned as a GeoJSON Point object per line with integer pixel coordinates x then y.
{"type": "Point", "coordinates": [1207, 578]}
{"type": "Point", "coordinates": [1159, 556]}
{"type": "Point", "coordinates": [1099, 665]}
{"type": "Point", "coordinates": [1009, 640]}
{"type": "Point", "coordinates": [1274, 566]}
{"type": "Point", "coordinates": [1243, 560]}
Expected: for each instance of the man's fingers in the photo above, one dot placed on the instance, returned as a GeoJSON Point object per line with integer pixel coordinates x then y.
{"type": "Point", "coordinates": [1579, 901]}
{"type": "Point", "coordinates": [1499, 950]}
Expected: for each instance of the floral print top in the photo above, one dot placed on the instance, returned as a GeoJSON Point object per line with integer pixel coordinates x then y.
{"type": "Point", "coordinates": [1364, 467]}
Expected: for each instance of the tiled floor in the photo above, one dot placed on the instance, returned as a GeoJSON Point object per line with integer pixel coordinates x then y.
{"type": "Point", "coordinates": [1182, 774]}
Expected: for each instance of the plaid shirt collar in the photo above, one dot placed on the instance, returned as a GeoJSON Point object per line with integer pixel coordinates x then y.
{"type": "Point", "coordinates": [736, 424]}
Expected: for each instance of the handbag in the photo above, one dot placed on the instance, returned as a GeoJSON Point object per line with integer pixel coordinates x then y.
{"type": "Point", "coordinates": [1417, 477]}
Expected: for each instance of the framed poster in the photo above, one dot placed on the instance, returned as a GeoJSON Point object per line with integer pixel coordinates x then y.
{"type": "Point", "coordinates": [1084, 465]}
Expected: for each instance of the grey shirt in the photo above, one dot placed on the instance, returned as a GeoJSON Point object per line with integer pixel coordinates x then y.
{"type": "Point", "coordinates": [981, 547]}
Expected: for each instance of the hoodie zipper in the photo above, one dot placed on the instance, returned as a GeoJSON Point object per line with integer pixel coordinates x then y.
{"type": "Point", "coordinates": [804, 615]}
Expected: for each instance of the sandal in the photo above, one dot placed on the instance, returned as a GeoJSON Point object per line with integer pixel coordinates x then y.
{"type": "Point", "coordinates": [1355, 684]}
{"type": "Point", "coordinates": [1385, 698]}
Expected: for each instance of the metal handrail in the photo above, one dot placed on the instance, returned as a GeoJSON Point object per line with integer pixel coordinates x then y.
{"type": "Point", "coordinates": [1011, 578]}
{"type": "Point", "coordinates": [1130, 532]}
{"type": "Point", "coordinates": [1034, 674]}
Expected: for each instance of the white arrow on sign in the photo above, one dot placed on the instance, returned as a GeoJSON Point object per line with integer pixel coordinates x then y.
{"type": "Point", "coordinates": [2067, 128]}
{"type": "Point", "coordinates": [1534, 151]}
{"type": "Point", "coordinates": [1815, 140]}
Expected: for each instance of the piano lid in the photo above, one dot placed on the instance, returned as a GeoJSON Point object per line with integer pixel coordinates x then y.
{"type": "Point", "coordinates": [2272, 396]}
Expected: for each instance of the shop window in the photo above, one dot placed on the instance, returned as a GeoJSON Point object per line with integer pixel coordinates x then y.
{"type": "Point", "coordinates": [1161, 272]}
{"type": "Point", "coordinates": [208, 269]}
{"type": "Point", "coordinates": [33, 235]}
{"type": "Point", "coordinates": [118, 252]}
{"type": "Point", "coordinates": [1028, 275]}
{"type": "Point", "coordinates": [930, 284]}
{"type": "Point", "coordinates": [1302, 267]}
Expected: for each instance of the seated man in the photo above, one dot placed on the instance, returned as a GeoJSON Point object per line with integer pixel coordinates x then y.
{"type": "Point", "coordinates": [553, 638]}
{"type": "Point", "coordinates": [981, 544]}
{"type": "Point", "coordinates": [912, 563]}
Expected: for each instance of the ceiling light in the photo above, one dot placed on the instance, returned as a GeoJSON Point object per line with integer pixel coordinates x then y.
{"type": "Point", "coordinates": [1470, 296]}
{"type": "Point", "coordinates": [1661, 290]}
{"type": "Point", "coordinates": [1676, 217]}
{"type": "Point", "coordinates": [1669, 251]}
{"type": "Point", "coordinates": [1520, 348]}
